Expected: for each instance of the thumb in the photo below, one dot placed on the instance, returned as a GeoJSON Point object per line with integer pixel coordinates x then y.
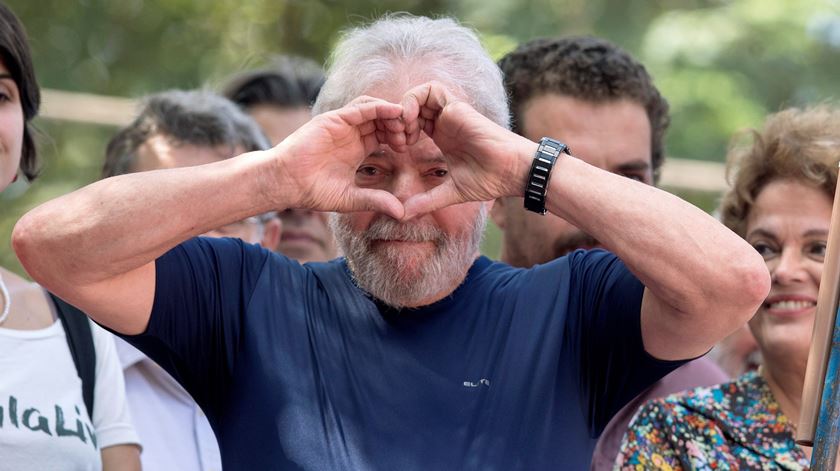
{"type": "Point", "coordinates": [438, 197]}
{"type": "Point", "coordinates": [380, 201]}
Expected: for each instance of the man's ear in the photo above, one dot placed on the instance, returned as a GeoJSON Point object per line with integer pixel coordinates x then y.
{"type": "Point", "coordinates": [272, 229]}
{"type": "Point", "coordinates": [497, 212]}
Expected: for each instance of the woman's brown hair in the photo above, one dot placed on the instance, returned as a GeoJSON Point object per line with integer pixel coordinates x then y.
{"type": "Point", "coordinates": [794, 144]}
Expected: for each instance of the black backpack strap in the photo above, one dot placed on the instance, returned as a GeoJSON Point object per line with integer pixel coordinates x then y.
{"type": "Point", "coordinates": [80, 341]}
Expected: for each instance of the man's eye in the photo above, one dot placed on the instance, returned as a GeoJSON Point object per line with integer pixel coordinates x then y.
{"type": "Point", "coordinates": [368, 171]}
{"type": "Point", "coordinates": [440, 173]}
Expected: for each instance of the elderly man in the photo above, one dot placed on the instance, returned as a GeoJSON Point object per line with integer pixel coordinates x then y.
{"type": "Point", "coordinates": [180, 129]}
{"type": "Point", "coordinates": [413, 352]}
{"type": "Point", "coordinates": [602, 103]}
{"type": "Point", "coordinates": [279, 98]}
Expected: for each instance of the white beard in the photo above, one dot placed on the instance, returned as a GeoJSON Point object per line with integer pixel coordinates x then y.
{"type": "Point", "coordinates": [397, 276]}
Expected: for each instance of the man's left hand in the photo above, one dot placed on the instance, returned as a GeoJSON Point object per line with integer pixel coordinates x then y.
{"type": "Point", "coordinates": [486, 161]}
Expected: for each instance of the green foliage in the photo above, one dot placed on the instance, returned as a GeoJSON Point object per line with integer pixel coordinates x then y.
{"type": "Point", "coordinates": [723, 64]}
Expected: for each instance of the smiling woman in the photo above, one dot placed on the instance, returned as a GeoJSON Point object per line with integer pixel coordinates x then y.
{"type": "Point", "coordinates": [788, 226]}
{"type": "Point", "coordinates": [780, 202]}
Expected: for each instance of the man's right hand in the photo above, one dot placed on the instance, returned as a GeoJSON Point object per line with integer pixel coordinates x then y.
{"type": "Point", "coordinates": [318, 163]}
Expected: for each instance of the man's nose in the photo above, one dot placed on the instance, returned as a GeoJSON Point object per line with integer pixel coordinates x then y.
{"type": "Point", "coordinates": [405, 185]}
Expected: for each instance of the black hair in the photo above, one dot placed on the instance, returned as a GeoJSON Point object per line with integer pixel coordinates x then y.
{"type": "Point", "coordinates": [585, 68]}
{"type": "Point", "coordinates": [287, 82]}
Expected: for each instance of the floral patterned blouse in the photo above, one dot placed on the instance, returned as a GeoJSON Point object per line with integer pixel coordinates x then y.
{"type": "Point", "coordinates": [731, 426]}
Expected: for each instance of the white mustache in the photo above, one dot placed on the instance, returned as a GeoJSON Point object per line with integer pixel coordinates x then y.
{"type": "Point", "coordinates": [386, 228]}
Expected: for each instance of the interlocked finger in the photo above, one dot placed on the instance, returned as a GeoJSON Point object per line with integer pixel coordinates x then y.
{"type": "Point", "coordinates": [438, 197]}
{"type": "Point", "coordinates": [377, 119]}
{"type": "Point", "coordinates": [421, 106]}
{"type": "Point", "coordinates": [381, 201]}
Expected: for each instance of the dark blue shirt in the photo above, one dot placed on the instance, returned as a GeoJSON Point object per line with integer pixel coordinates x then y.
{"type": "Point", "coordinates": [297, 368]}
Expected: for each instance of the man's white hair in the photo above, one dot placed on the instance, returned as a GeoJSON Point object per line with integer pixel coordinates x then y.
{"type": "Point", "coordinates": [433, 49]}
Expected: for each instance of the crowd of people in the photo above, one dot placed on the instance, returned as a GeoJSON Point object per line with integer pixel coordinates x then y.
{"type": "Point", "coordinates": [285, 274]}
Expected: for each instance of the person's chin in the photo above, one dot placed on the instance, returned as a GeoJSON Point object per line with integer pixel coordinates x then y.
{"type": "Point", "coordinates": [404, 249]}
{"type": "Point", "coordinates": [783, 327]}
{"type": "Point", "coordinates": [407, 258]}
{"type": "Point", "coordinates": [792, 341]}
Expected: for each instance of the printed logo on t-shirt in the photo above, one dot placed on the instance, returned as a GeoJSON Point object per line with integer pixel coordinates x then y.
{"type": "Point", "coordinates": [32, 419]}
{"type": "Point", "coordinates": [482, 382]}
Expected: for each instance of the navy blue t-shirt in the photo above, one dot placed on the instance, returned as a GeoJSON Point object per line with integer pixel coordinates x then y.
{"type": "Point", "coordinates": [297, 368]}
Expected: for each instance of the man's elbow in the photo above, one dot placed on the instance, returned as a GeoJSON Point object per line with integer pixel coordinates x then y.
{"type": "Point", "coordinates": [758, 280]}
{"type": "Point", "coordinates": [22, 240]}
{"type": "Point", "coordinates": [750, 284]}
{"type": "Point", "coordinates": [29, 248]}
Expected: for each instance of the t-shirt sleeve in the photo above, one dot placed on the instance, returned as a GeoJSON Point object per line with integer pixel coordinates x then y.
{"type": "Point", "coordinates": [111, 418]}
{"type": "Point", "coordinates": [202, 290]}
{"type": "Point", "coordinates": [606, 334]}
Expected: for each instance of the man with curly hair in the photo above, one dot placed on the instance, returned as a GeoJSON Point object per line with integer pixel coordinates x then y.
{"type": "Point", "coordinates": [601, 102]}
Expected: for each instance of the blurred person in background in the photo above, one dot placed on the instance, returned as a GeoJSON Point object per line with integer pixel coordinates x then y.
{"type": "Point", "coordinates": [181, 129]}
{"type": "Point", "coordinates": [46, 421]}
{"type": "Point", "coordinates": [602, 103]}
{"type": "Point", "coordinates": [780, 202]}
{"type": "Point", "coordinates": [279, 98]}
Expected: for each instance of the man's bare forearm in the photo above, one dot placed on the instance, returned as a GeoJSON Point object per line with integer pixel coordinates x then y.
{"type": "Point", "coordinates": [121, 223]}
{"type": "Point", "coordinates": [710, 279]}
{"type": "Point", "coordinates": [677, 250]}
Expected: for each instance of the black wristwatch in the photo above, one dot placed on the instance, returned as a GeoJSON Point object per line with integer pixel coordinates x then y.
{"type": "Point", "coordinates": [547, 153]}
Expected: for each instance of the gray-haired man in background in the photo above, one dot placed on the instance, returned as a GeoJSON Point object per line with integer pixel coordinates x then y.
{"type": "Point", "coordinates": [180, 129]}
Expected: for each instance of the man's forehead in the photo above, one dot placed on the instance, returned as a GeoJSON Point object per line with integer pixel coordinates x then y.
{"type": "Point", "coordinates": [407, 77]}
{"type": "Point", "coordinates": [394, 89]}
{"type": "Point", "coordinates": [422, 153]}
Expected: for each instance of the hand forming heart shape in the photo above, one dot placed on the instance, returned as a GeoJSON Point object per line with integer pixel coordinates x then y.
{"type": "Point", "coordinates": [319, 161]}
